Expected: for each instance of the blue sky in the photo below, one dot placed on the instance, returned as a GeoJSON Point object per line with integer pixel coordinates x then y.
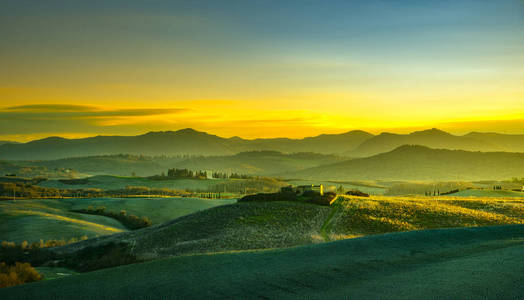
{"type": "Point", "coordinates": [395, 64]}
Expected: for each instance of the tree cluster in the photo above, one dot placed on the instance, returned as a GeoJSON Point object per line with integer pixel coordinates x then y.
{"type": "Point", "coordinates": [185, 173]}
{"type": "Point", "coordinates": [130, 221]}
{"type": "Point", "coordinates": [19, 273]}
{"type": "Point", "coordinates": [13, 190]}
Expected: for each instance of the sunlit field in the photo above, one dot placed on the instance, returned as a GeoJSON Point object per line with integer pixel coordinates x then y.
{"type": "Point", "coordinates": [32, 220]}
{"type": "Point", "coordinates": [357, 216]}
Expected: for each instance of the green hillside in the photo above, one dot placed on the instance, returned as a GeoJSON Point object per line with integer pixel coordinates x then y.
{"type": "Point", "coordinates": [267, 225]}
{"type": "Point", "coordinates": [481, 262]}
{"type": "Point", "coordinates": [258, 162]}
{"type": "Point", "coordinates": [487, 193]}
{"type": "Point", "coordinates": [32, 220]}
{"type": "Point", "coordinates": [121, 165]}
{"type": "Point", "coordinates": [421, 163]}
{"type": "Point", "coordinates": [108, 182]}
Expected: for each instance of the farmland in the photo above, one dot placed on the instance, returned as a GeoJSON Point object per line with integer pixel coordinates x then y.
{"type": "Point", "coordinates": [192, 227]}
{"type": "Point", "coordinates": [108, 182]}
{"type": "Point", "coordinates": [459, 263]}
{"type": "Point", "coordinates": [32, 220]}
{"type": "Point", "coordinates": [267, 225]}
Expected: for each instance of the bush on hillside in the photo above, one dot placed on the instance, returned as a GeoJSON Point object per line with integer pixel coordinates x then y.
{"type": "Point", "coordinates": [35, 253]}
{"type": "Point", "coordinates": [19, 273]}
{"type": "Point", "coordinates": [130, 221]}
{"type": "Point", "coordinates": [356, 193]}
{"type": "Point", "coordinates": [105, 256]}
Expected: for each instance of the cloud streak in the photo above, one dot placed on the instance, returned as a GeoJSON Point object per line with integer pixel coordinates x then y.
{"type": "Point", "coordinates": [41, 118]}
{"type": "Point", "coordinates": [64, 111]}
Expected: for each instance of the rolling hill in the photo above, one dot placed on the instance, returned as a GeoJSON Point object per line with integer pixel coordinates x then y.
{"type": "Point", "coordinates": [259, 163]}
{"type": "Point", "coordinates": [439, 139]}
{"type": "Point", "coordinates": [8, 142]}
{"type": "Point", "coordinates": [421, 163]}
{"type": "Point", "coordinates": [459, 263]}
{"type": "Point", "coordinates": [267, 225]}
{"type": "Point", "coordinates": [32, 220]}
{"type": "Point", "coordinates": [170, 143]}
{"type": "Point", "coordinates": [121, 165]}
{"type": "Point", "coordinates": [506, 142]}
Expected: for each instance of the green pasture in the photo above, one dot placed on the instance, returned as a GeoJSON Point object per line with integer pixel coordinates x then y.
{"type": "Point", "coordinates": [158, 210]}
{"type": "Point", "coordinates": [488, 193]}
{"type": "Point", "coordinates": [460, 263]}
{"type": "Point", "coordinates": [108, 182]}
{"type": "Point", "coordinates": [32, 220]}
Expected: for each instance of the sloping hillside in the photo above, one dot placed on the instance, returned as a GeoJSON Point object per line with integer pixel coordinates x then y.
{"type": "Point", "coordinates": [421, 163]}
{"type": "Point", "coordinates": [185, 141]}
{"type": "Point", "coordinates": [506, 142]}
{"type": "Point", "coordinates": [32, 220]}
{"type": "Point", "coordinates": [253, 163]}
{"type": "Point", "coordinates": [266, 225]}
{"type": "Point", "coordinates": [432, 138]}
{"type": "Point", "coordinates": [258, 162]}
{"type": "Point", "coordinates": [481, 262]}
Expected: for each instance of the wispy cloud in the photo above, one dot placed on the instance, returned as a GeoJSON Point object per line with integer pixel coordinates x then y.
{"type": "Point", "coordinates": [50, 108]}
{"type": "Point", "coordinates": [40, 118]}
{"type": "Point", "coordinates": [65, 111]}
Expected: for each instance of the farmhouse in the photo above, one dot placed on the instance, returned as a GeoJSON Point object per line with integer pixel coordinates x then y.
{"type": "Point", "coordinates": [301, 189]}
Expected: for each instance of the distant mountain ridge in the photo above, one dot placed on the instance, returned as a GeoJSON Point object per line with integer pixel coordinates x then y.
{"type": "Point", "coordinates": [438, 139]}
{"type": "Point", "coordinates": [413, 162]}
{"type": "Point", "coordinates": [185, 141]}
{"type": "Point", "coordinates": [188, 141]}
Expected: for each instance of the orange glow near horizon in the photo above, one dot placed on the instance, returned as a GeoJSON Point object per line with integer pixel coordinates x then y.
{"type": "Point", "coordinates": [235, 118]}
{"type": "Point", "coordinates": [242, 69]}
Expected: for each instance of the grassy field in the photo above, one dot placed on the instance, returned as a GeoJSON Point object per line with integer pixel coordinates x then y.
{"type": "Point", "coordinates": [50, 273]}
{"type": "Point", "coordinates": [488, 193]}
{"type": "Point", "coordinates": [464, 263]}
{"type": "Point", "coordinates": [108, 182]}
{"type": "Point", "coordinates": [267, 225]}
{"type": "Point", "coordinates": [32, 220]}
{"type": "Point", "coordinates": [357, 216]}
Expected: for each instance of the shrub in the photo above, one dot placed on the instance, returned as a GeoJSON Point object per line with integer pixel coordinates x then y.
{"type": "Point", "coordinates": [19, 273]}
{"type": "Point", "coordinates": [356, 193]}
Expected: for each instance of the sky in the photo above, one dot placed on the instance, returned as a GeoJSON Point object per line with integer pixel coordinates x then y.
{"type": "Point", "coordinates": [259, 68]}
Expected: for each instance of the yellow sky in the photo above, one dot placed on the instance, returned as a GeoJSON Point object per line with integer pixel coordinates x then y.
{"type": "Point", "coordinates": [240, 68]}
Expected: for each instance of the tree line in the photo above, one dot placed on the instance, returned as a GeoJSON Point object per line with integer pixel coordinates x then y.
{"type": "Point", "coordinates": [130, 221]}
{"type": "Point", "coordinates": [17, 273]}
{"type": "Point", "coordinates": [199, 174]}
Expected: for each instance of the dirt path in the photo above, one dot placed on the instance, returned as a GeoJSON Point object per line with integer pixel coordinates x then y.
{"type": "Point", "coordinates": [328, 223]}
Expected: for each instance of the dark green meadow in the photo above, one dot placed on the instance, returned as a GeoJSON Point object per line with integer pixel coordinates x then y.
{"type": "Point", "coordinates": [32, 220]}
{"type": "Point", "coordinates": [481, 262]}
